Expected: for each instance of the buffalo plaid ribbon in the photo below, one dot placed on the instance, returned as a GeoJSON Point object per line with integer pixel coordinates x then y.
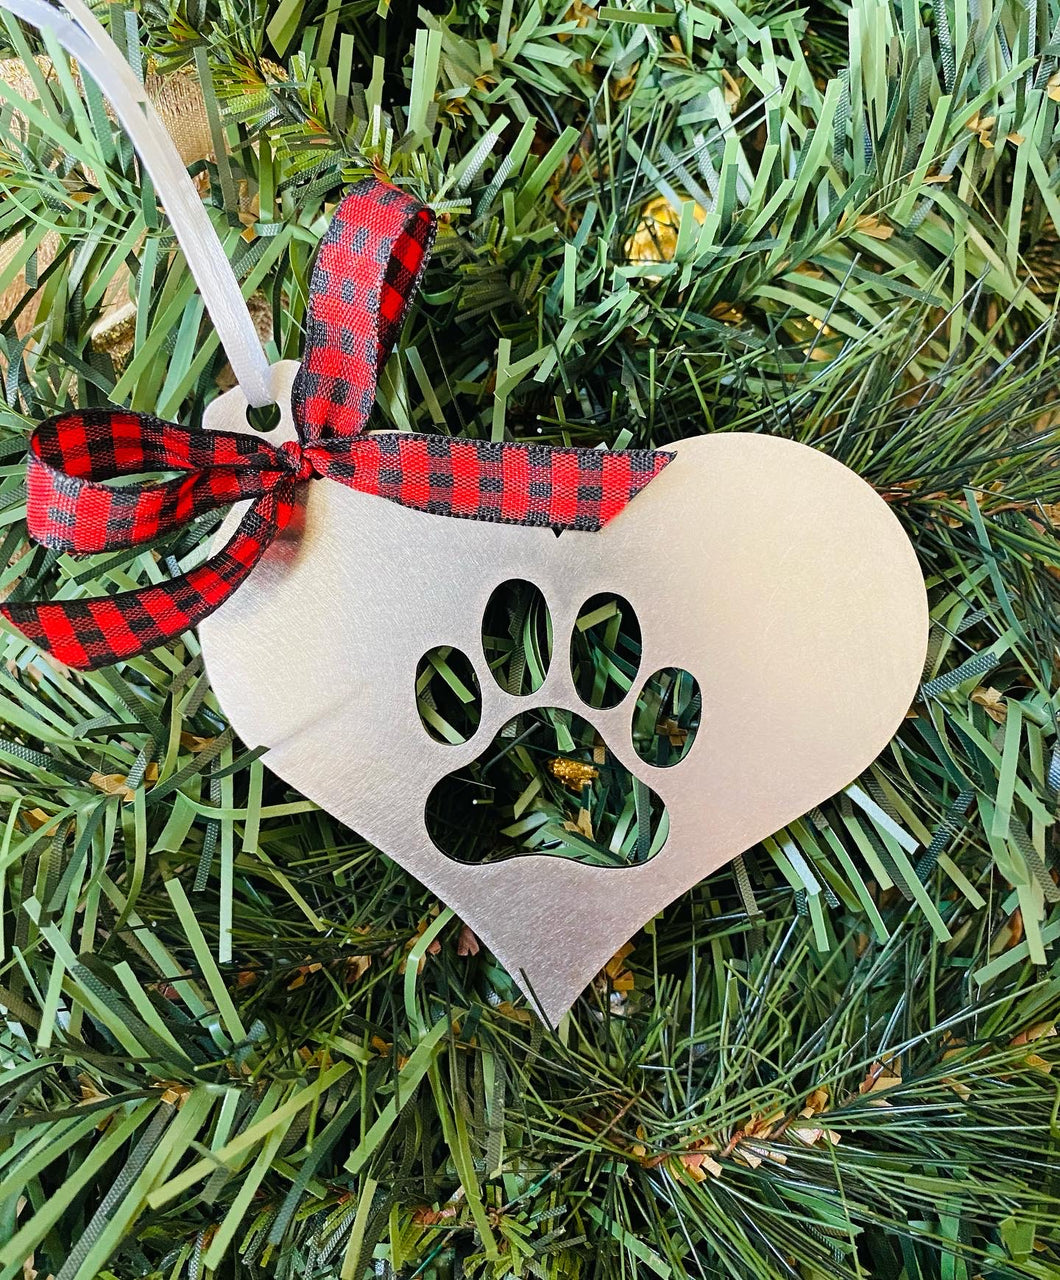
{"type": "Point", "coordinates": [367, 271]}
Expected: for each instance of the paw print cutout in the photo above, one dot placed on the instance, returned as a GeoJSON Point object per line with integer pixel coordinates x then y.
{"type": "Point", "coordinates": [548, 782]}
{"type": "Point", "coordinates": [768, 572]}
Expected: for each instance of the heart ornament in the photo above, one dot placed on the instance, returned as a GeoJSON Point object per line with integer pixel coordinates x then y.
{"type": "Point", "coordinates": [772, 573]}
{"type": "Point", "coordinates": [766, 570]}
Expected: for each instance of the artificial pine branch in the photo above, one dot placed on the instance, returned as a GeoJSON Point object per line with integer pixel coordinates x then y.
{"type": "Point", "coordinates": [846, 1079]}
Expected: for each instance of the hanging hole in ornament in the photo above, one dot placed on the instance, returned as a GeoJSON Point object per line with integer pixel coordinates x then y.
{"type": "Point", "coordinates": [517, 637]}
{"type": "Point", "coordinates": [666, 717]}
{"type": "Point", "coordinates": [447, 695]}
{"type": "Point", "coordinates": [546, 784]}
{"type": "Point", "coordinates": [605, 650]}
{"type": "Point", "coordinates": [263, 417]}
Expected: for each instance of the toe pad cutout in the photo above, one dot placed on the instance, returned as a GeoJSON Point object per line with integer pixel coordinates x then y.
{"type": "Point", "coordinates": [605, 650]}
{"type": "Point", "coordinates": [517, 637]}
{"type": "Point", "coordinates": [546, 784]}
{"type": "Point", "coordinates": [447, 695]}
{"type": "Point", "coordinates": [666, 717]}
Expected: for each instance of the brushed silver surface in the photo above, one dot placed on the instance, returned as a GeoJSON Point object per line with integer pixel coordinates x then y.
{"type": "Point", "coordinates": [771, 572]}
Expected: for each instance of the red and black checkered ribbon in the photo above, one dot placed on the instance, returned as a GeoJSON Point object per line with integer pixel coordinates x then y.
{"type": "Point", "coordinates": [366, 275]}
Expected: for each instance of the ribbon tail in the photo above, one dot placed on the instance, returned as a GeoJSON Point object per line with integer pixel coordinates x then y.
{"type": "Point", "coordinates": [528, 484]}
{"type": "Point", "coordinates": [367, 271]}
{"type": "Point", "coordinates": [87, 634]}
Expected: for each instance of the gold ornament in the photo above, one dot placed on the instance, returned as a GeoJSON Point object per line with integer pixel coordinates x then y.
{"type": "Point", "coordinates": [573, 773]}
{"type": "Point", "coordinates": [655, 239]}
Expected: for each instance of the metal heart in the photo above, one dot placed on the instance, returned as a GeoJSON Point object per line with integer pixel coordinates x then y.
{"type": "Point", "coordinates": [771, 572]}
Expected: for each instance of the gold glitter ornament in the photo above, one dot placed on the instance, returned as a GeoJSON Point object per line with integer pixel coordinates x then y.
{"type": "Point", "coordinates": [573, 773]}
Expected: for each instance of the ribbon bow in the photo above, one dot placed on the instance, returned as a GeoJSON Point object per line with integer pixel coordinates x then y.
{"type": "Point", "coordinates": [367, 272]}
